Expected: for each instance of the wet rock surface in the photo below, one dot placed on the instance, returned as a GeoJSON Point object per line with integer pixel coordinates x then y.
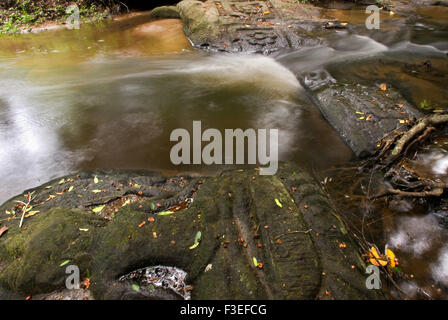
{"type": "Point", "coordinates": [362, 113]}
{"type": "Point", "coordinates": [147, 222]}
{"type": "Point", "coordinates": [249, 26]}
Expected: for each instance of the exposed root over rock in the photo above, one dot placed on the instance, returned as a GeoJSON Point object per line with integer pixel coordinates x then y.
{"type": "Point", "coordinates": [404, 181]}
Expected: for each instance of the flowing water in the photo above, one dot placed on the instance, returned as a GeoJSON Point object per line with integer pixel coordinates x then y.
{"type": "Point", "coordinates": [109, 95]}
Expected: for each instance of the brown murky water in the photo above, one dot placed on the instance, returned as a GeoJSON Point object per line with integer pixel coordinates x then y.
{"type": "Point", "coordinates": [109, 95]}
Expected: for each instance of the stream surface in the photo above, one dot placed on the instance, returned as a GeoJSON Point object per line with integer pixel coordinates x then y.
{"type": "Point", "coordinates": [109, 95]}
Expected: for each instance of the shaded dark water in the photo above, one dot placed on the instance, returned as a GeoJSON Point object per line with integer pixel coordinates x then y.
{"type": "Point", "coordinates": [109, 96]}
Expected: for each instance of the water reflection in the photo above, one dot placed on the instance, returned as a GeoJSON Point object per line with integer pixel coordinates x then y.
{"type": "Point", "coordinates": [114, 110]}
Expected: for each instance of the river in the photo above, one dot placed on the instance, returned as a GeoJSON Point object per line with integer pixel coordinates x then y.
{"type": "Point", "coordinates": [109, 95]}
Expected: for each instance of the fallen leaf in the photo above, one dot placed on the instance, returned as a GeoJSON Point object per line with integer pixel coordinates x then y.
{"type": "Point", "coordinates": [98, 209]}
{"type": "Point", "coordinates": [96, 191]}
{"type": "Point", "coordinates": [375, 258]}
{"type": "Point", "coordinates": [255, 261]}
{"type": "Point", "coordinates": [135, 287]}
{"type": "Point", "coordinates": [197, 239]}
{"type": "Point", "coordinates": [391, 256]}
{"type": "Point", "coordinates": [95, 179]}
{"type": "Point", "coordinates": [165, 213]}
{"type": "Point", "coordinates": [383, 86]}
{"type": "Point", "coordinates": [31, 213]}
{"type": "Point", "coordinates": [64, 263]}
{"type": "Point", "coordinates": [278, 203]}
{"type": "Point", "coordinates": [83, 229]}
{"type": "Point", "coordinates": [142, 224]}
{"type": "Point", "coordinates": [62, 181]}
{"type": "Point", "coordinates": [86, 283]}
{"type": "Point", "coordinates": [71, 189]}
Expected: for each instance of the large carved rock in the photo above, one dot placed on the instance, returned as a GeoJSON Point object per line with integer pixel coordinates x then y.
{"type": "Point", "coordinates": [297, 244]}
{"type": "Point", "coordinates": [249, 26]}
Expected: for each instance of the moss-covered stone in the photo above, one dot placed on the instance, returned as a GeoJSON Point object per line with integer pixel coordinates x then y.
{"type": "Point", "coordinates": [237, 215]}
{"type": "Point", "coordinates": [32, 255]}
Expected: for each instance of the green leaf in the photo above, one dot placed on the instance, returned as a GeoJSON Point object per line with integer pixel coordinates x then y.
{"type": "Point", "coordinates": [153, 206]}
{"type": "Point", "coordinates": [165, 213]}
{"type": "Point", "coordinates": [255, 261]}
{"type": "Point", "coordinates": [397, 269]}
{"type": "Point", "coordinates": [198, 236]}
{"type": "Point", "coordinates": [135, 287]}
{"type": "Point", "coordinates": [197, 239]}
{"type": "Point", "coordinates": [64, 263]}
{"type": "Point", "coordinates": [98, 209]}
{"type": "Point", "coordinates": [278, 203]}
{"type": "Point", "coordinates": [151, 286]}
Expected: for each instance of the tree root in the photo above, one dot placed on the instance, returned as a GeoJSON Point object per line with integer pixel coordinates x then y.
{"type": "Point", "coordinates": [421, 125]}
{"type": "Point", "coordinates": [406, 182]}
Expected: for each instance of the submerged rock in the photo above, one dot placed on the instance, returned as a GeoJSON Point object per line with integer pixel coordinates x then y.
{"type": "Point", "coordinates": [262, 237]}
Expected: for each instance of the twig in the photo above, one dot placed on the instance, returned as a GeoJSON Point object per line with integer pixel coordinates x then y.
{"type": "Point", "coordinates": [297, 231]}
{"type": "Point", "coordinates": [24, 209]}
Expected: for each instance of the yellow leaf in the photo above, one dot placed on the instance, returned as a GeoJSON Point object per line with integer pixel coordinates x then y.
{"type": "Point", "coordinates": [193, 246]}
{"type": "Point", "coordinates": [375, 258]}
{"type": "Point", "coordinates": [391, 257]}
{"type": "Point", "coordinates": [31, 213]}
{"type": "Point", "coordinates": [96, 191]}
{"type": "Point", "coordinates": [98, 209]}
{"type": "Point", "coordinates": [70, 189]}
{"type": "Point", "coordinates": [374, 253]}
{"type": "Point", "coordinates": [95, 179]}
{"type": "Point", "coordinates": [278, 203]}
